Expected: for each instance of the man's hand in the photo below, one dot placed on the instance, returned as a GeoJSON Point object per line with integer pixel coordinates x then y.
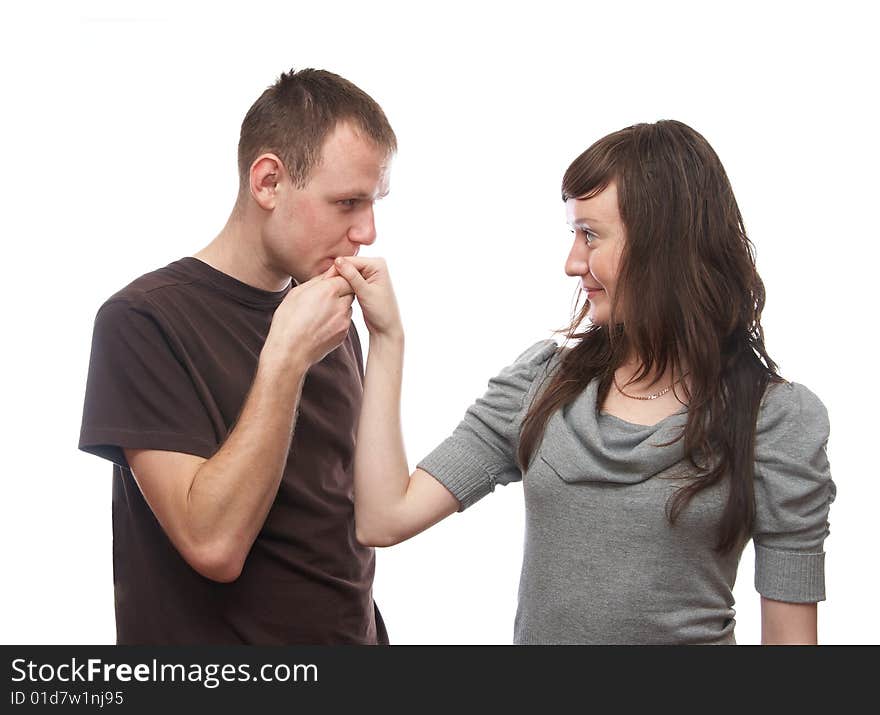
{"type": "Point", "coordinates": [371, 282]}
{"type": "Point", "coordinates": [312, 320]}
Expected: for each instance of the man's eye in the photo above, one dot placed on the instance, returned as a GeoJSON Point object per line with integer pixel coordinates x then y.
{"type": "Point", "coordinates": [348, 203]}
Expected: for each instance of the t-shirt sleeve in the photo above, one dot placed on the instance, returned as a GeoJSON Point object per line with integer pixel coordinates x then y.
{"type": "Point", "coordinates": [793, 494]}
{"type": "Point", "coordinates": [139, 395]}
{"type": "Point", "coordinates": [481, 452]}
{"type": "Point", "coordinates": [358, 350]}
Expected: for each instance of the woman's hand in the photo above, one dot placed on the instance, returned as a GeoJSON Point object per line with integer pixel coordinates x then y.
{"type": "Point", "coordinates": [390, 505]}
{"type": "Point", "coordinates": [371, 283]}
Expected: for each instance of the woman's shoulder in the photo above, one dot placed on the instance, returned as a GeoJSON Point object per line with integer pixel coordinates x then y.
{"type": "Point", "coordinates": [537, 355]}
{"type": "Point", "coordinates": [788, 407]}
{"type": "Point", "coordinates": [519, 377]}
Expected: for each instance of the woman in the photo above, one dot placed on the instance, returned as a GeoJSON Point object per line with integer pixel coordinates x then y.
{"type": "Point", "coordinates": [653, 446]}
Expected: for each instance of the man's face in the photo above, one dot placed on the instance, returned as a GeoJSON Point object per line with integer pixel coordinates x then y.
{"type": "Point", "coordinates": [333, 215]}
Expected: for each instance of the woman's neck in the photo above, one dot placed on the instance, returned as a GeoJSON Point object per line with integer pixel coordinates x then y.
{"type": "Point", "coordinates": [655, 378]}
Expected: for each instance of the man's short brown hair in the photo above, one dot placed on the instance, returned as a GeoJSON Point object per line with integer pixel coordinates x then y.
{"type": "Point", "coordinates": [293, 117]}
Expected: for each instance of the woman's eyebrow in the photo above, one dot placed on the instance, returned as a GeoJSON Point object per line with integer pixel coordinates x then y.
{"type": "Point", "coordinates": [584, 220]}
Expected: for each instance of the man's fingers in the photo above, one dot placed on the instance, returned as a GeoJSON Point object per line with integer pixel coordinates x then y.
{"type": "Point", "coordinates": [313, 280]}
{"type": "Point", "coordinates": [340, 286]}
{"type": "Point", "coordinates": [330, 272]}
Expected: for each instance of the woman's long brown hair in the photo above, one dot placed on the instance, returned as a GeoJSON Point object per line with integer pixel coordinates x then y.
{"type": "Point", "coordinates": [687, 294]}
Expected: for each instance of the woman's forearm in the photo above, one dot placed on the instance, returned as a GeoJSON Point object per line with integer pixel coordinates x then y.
{"type": "Point", "coordinates": [788, 623]}
{"type": "Point", "coordinates": [390, 504]}
{"type": "Point", "coordinates": [381, 472]}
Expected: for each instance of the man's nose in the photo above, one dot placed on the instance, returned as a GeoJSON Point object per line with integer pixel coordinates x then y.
{"type": "Point", "coordinates": [364, 231]}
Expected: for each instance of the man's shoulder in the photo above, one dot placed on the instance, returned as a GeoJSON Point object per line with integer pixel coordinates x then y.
{"type": "Point", "coordinates": [151, 288]}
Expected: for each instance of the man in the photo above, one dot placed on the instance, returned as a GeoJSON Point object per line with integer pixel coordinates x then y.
{"type": "Point", "coordinates": [227, 395]}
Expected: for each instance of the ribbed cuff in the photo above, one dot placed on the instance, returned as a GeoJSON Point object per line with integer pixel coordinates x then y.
{"type": "Point", "coordinates": [789, 575]}
{"type": "Point", "coordinates": [455, 468]}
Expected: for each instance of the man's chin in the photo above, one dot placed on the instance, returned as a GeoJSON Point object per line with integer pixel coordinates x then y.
{"type": "Point", "coordinates": [316, 269]}
{"type": "Point", "coordinates": [323, 266]}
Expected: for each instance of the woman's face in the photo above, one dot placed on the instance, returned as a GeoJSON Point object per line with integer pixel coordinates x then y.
{"type": "Point", "coordinates": [595, 255]}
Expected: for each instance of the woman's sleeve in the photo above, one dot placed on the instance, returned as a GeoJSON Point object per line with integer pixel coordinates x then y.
{"type": "Point", "coordinates": [481, 452]}
{"type": "Point", "coordinates": [793, 493]}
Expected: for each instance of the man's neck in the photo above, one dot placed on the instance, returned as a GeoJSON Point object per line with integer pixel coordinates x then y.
{"type": "Point", "coordinates": [237, 252]}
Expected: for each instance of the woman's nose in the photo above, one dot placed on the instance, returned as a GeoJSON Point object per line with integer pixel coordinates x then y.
{"type": "Point", "coordinates": [577, 262]}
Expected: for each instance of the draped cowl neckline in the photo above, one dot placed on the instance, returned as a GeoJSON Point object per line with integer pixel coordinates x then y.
{"type": "Point", "coordinates": [584, 445]}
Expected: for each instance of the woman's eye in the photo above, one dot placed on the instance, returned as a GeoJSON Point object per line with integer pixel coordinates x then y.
{"type": "Point", "coordinates": [588, 235]}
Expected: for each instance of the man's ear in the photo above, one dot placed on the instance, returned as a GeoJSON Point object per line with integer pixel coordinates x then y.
{"type": "Point", "coordinates": [265, 174]}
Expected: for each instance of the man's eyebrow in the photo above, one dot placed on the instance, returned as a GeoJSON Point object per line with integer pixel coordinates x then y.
{"type": "Point", "coordinates": [357, 194]}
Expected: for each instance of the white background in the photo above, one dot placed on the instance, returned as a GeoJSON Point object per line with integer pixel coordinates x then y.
{"type": "Point", "coordinates": [119, 130]}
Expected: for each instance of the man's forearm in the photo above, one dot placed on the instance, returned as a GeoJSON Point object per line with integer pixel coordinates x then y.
{"type": "Point", "coordinates": [232, 492]}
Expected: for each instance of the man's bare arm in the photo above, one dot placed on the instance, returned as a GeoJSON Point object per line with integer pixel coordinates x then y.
{"type": "Point", "coordinates": [212, 510]}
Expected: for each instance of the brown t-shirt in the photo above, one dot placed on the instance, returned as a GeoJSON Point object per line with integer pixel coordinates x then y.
{"type": "Point", "coordinates": [173, 357]}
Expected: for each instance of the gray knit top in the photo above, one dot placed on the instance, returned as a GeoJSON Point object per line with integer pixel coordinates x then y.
{"type": "Point", "coordinates": [602, 564]}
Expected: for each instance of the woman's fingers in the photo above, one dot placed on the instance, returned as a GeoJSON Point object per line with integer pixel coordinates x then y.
{"type": "Point", "coordinates": [368, 267]}
{"type": "Point", "coordinates": [348, 270]}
